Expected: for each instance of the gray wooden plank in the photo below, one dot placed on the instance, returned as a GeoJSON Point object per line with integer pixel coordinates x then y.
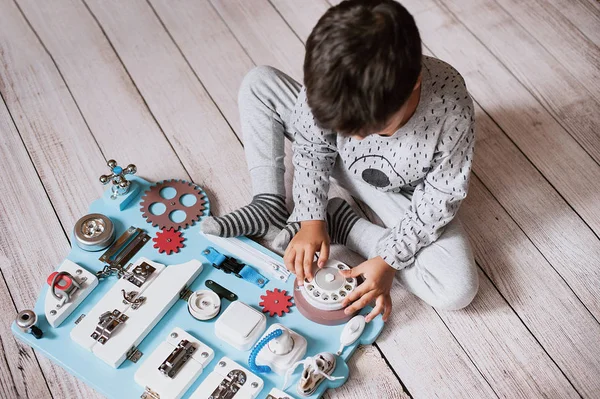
{"type": "Point", "coordinates": [366, 379]}
{"type": "Point", "coordinates": [181, 105]}
{"type": "Point", "coordinates": [583, 14]}
{"type": "Point", "coordinates": [116, 114]}
{"type": "Point", "coordinates": [561, 37]}
{"type": "Point", "coordinates": [211, 50]}
{"type": "Point", "coordinates": [23, 197]}
{"type": "Point", "coordinates": [48, 119]}
{"type": "Point", "coordinates": [541, 298]}
{"type": "Point", "coordinates": [537, 134]}
{"type": "Point", "coordinates": [537, 67]}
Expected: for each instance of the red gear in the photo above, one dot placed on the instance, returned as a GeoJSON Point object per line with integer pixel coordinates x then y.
{"type": "Point", "coordinates": [168, 241]}
{"type": "Point", "coordinates": [276, 302]}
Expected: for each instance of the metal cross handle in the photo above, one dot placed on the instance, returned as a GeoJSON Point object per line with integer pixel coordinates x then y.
{"type": "Point", "coordinates": [120, 182]}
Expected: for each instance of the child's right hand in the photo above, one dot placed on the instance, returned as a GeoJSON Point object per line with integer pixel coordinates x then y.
{"type": "Point", "coordinates": [300, 253]}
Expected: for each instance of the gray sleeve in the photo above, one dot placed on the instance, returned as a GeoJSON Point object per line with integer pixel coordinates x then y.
{"type": "Point", "coordinates": [436, 200]}
{"type": "Point", "coordinates": [314, 154]}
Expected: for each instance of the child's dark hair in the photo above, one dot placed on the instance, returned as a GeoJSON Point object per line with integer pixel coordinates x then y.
{"type": "Point", "coordinates": [363, 59]}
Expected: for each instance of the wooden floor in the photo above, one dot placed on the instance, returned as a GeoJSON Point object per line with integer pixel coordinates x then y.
{"type": "Point", "coordinates": [155, 83]}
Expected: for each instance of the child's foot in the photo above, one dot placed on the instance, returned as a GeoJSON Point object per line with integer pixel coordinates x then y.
{"type": "Point", "coordinates": [344, 227]}
{"type": "Point", "coordinates": [264, 217]}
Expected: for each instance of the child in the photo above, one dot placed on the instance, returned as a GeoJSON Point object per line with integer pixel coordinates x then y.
{"type": "Point", "coordinates": [394, 128]}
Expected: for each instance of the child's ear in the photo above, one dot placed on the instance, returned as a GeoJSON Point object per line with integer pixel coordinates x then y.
{"type": "Point", "coordinates": [418, 84]}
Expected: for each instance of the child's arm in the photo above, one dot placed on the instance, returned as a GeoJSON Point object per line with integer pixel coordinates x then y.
{"type": "Point", "coordinates": [434, 204]}
{"type": "Point", "coordinates": [436, 200]}
{"type": "Point", "coordinates": [314, 154]}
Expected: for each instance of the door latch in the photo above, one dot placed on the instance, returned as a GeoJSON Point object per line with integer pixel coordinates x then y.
{"type": "Point", "coordinates": [108, 323]}
{"type": "Point", "coordinates": [175, 361]}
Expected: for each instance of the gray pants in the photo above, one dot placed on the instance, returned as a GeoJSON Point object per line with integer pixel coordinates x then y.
{"type": "Point", "coordinates": [444, 274]}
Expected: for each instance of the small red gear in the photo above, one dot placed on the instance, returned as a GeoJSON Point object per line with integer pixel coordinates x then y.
{"type": "Point", "coordinates": [276, 302]}
{"type": "Point", "coordinates": [168, 241]}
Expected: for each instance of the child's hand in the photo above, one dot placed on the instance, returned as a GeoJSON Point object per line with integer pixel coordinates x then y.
{"type": "Point", "coordinates": [379, 277]}
{"type": "Point", "coordinates": [299, 254]}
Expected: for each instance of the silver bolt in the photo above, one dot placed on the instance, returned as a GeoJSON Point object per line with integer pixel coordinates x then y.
{"type": "Point", "coordinates": [282, 277]}
{"type": "Point", "coordinates": [78, 271]}
{"type": "Point", "coordinates": [254, 385]}
{"type": "Point", "coordinates": [53, 312]}
{"type": "Point", "coordinates": [174, 335]}
{"type": "Point", "coordinates": [206, 252]}
{"type": "Point", "coordinates": [204, 355]}
{"type": "Point", "coordinates": [222, 364]}
{"type": "Point", "coordinates": [260, 281]}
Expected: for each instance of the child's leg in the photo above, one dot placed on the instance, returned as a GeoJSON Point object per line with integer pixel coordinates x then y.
{"type": "Point", "coordinates": [444, 273]}
{"type": "Point", "coordinates": [266, 99]}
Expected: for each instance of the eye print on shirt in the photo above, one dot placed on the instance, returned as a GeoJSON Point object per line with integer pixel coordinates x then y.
{"type": "Point", "coordinates": [376, 170]}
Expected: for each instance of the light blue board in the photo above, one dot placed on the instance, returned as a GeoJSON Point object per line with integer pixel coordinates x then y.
{"type": "Point", "coordinates": [119, 383]}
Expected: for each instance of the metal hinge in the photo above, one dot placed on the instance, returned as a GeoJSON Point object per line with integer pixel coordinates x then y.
{"type": "Point", "coordinates": [185, 293]}
{"type": "Point", "coordinates": [150, 394]}
{"type": "Point", "coordinates": [134, 354]}
{"type": "Point", "coordinates": [81, 316]}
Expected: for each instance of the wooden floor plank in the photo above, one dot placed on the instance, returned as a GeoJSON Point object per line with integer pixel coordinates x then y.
{"type": "Point", "coordinates": [182, 107]}
{"type": "Point", "coordinates": [366, 380]}
{"type": "Point", "coordinates": [302, 19]}
{"type": "Point", "coordinates": [48, 119]}
{"type": "Point", "coordinates": [560, 37]}
{"type": "Point", "coordinates": [264, 34]}
{"type": "Point", "coordinates": [555, 229]}
{"type": "Point", "coordinates": [20, 373]}
{"type": "Point", "coordinates": [583, 14]}
{"type": "Point", "coordinates": [555, 86]}
{"type": "Point", "coordinates": [32, 243]}
{"type": "Point", "coordinates": [541, 298]}
{"type": "Point", "coordinates": [549, 147]}
{"type": "Point", "coordinates": [514, 363]}
{"type": "Point", "coordinates": [115, 112]}
{"type": "Point", "coordinates": [223, 72]}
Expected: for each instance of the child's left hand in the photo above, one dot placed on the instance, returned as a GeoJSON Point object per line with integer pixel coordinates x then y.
{"type": "Point", "coordinates": [378, 276]}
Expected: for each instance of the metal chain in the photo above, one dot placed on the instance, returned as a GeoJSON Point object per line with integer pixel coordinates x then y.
{"type": "Point", "coordinates": [110, 270]}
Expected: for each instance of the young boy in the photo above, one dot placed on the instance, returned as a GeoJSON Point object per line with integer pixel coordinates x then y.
{"type": "Point", "coordinates": [394, 128]}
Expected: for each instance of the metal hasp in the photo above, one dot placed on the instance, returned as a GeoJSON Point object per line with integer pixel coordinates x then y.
{"type": "Point", "coordinates": [139, 274]}
{"type": "Point", "coordinates": [121, 251]}
{"type": "Point", "coordinates": [130, 298]}
{"type": "Point", "coordinates": [175, 361]}
{"type": "Point", "coordinates": [109, 322]}
{"type": "Point", "coordinates": [230, 385]}
{"type": "Point", "coordinates": [117, 177]}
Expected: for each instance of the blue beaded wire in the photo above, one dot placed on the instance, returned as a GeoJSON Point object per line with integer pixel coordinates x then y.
{"type": "Point", "coordinates": [258, 347]}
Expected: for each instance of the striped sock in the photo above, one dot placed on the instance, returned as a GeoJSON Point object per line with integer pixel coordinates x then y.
{"type": "Point", "coordinates": [341, 221]}
{"type": "Point", "coordinates": [264, 217]}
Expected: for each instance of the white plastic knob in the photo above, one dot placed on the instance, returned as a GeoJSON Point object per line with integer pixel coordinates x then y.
{"type": "Point", "coordinates": [283, 344]}
{"type": "Point", "coordinates": [329, 277]}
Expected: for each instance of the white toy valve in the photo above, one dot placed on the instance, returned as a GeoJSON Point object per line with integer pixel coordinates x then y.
{"type": "Point", "coordinates": [351, 332]}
